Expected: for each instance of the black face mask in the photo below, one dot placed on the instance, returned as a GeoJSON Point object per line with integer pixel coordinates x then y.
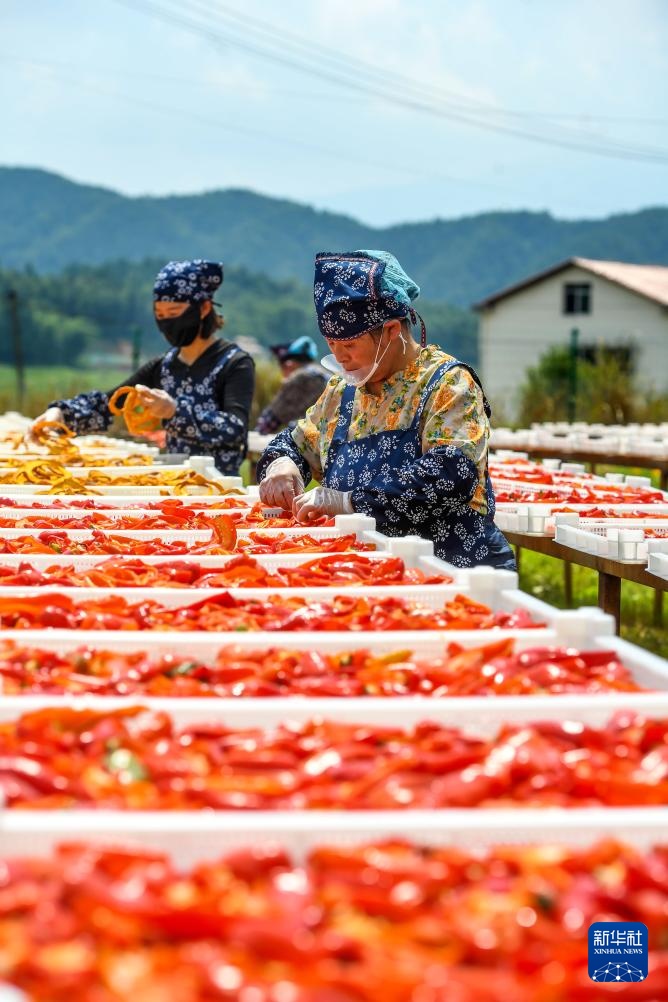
{"type": "Point", "coordinates": [182, 331]}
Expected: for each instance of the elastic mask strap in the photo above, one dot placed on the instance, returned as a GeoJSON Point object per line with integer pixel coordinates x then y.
{"type": "Point", "coordinates": [415, 316]}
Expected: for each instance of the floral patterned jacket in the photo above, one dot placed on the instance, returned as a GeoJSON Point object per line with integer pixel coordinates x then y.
{"type": "Point", "coordinates": [454, 431]}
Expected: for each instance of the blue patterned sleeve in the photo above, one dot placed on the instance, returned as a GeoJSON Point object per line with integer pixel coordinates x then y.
{"type": "Point", "coordinates": [283, 445]}
{"type": "Point", "coordinates": [436, 484]}
{"type": "Point", "coordinates": [86, 413]}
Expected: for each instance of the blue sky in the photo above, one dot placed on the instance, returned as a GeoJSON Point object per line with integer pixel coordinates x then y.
{"type": "Point", "coordinates": [182, 96]}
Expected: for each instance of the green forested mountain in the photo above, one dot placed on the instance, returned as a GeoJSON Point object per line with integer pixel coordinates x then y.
{"type": "Point", "coordinates": [48, 222]}
{"type": "Point", "coordinates": [64, 316]}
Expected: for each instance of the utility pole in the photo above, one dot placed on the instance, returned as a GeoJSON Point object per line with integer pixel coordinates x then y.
{"type": "Point", "coordinates": [573, 374]}
{"type": "Point", "coordinates": [136, 347]}
{"type": "Point", "coordinates": [15, 327]}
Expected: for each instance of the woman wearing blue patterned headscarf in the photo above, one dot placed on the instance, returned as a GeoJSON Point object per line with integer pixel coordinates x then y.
{"type": "Point", "coordinates": [202, 388]}
{"type": "Point", "coordinates": [401, 431]}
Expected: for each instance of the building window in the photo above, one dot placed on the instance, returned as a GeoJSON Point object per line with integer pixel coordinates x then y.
{"type": "Point", "coordinates": [623, 354]}
{"type": "Point", "coordinates": [577, 297]}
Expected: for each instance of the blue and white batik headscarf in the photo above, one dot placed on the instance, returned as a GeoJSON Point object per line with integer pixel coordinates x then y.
{"type": "Point", "coordinates": [355, 292]}
{"type": "Point", "coordinates": [188, 281]}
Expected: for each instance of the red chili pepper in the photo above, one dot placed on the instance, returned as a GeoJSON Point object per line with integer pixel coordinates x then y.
{"type": "Point", "coordinates": [388, 921]}
{"type": "Point", "coordinates": [104, 760]}
{"type": "Point", "coordinates": [490, 669]}
{"type": "Point", "coordinates": [224, 612]}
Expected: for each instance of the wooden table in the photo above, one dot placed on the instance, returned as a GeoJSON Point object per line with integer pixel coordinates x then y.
{"type": "Point", "coordinates": [611, 573]}
{"type": "Point", "coordinates": [594, 459]}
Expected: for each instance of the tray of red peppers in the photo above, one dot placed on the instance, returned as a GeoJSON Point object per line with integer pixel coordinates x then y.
{"type": "Point", "coordinates": [167, 504]}
{"type": "Point", "coordinates": [225, 612]}
{"type": "Point", "coordinates": [610, 513]}
{"type": "Point", "coordinates": [330, 931]}
{"type": "Point", "coordinates": [223, 541]}
{"type": "Point", "coordinates": [133, 759]}
{"type": "Point", "coordinates": [578, 495]}
{"type": "Point", "coordinates": [494, 669]}
{"type": "Point", "coordinates": [167, 517]}
{"type": "Point", "coordinates": [243, 571]}
{"type": "Point", "coordinates": [380, 922]}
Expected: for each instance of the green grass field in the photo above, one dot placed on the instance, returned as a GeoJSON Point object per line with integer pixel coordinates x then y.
{"type": "Point", "coordinates": [46, 383]}
{"type": "Point", "coordinates": [544, 577]}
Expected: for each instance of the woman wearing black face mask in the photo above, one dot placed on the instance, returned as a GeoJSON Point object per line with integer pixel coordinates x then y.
{"type": "Point", "coordinates": [201, 388]}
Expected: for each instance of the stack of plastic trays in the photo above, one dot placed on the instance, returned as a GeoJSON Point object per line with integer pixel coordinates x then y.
{"type": "Point", "coordinates": [626, 540]}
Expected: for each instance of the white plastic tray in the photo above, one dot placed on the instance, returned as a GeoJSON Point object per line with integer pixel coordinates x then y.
{"type": "Point", "coordinates": [575, 628]}
{"type": "Point", "coordinates": [481, 583]}
{"type": "Point", "coordinates": [361, 526]}
{"type": "Point", "coordinates": [566, 489]}
{"type": "Point", "coordinates": [491, 590]}
{"type": "Point", "coordinates": [612, 440]}
{"type": "Point", "coordinates": [414, 551]}
{"type": "Point", "coordinates": [480, 713]}
{"type": "Point", "coordinates": [202, 464]}
{"type": "Point", "coordinates": [658, 564]}
{"type": "Point", "coordinates": [97, 458]}
{"type": "Point", "coordinates": [124, 490]}
{"type": "Point", "coordinates": [114, 502]}
{"type": "Point", "coordinates": [67, 515]}
{"type": "Point", "coordinates": [257, 442]}
{"type": "Point", "coordinates": [192, 836]}
{"type": "Point", "coordinates": [539, 519]}
{"type": "Point", "coordinates": [625, 542]}
{"type": "Point", "coordinates": [82, 561]}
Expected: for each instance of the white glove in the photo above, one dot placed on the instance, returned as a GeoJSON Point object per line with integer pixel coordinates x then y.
{"type": "Point", "coordinates": [321, 501]}
{"type": "Point", "coordinates": [157, 402]}
{"type": "Point", "coordinates": [281, 484]}
{"type": "Point", "coordinates": [51, 414]}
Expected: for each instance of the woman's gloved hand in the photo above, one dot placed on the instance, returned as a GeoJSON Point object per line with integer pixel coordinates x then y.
{"type": "Point", "coordinates": [157, 402]}
{"type": "Point", "coordinates": [321, 501]}
{"type": "Point", "coordinates": [281, 484]}
{"type": "Point", "coordinates": [51, 414]}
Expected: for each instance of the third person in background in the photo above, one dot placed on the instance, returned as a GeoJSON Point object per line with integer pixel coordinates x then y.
{"type": "Point", "coordinates": [303, 382]}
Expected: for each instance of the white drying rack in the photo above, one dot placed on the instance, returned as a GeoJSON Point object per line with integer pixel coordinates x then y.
{"type": "Point", "coordinates": [624, 540]}
{"type": "Point", "coordinates": [190, 837]}
{"type": "Point", "coordinates": [96, 458]}
{"type": "Point", "coordinates": [231, 484]}
{"type": "Point", "coordinates": [571, 628]}
{"type": "Point", "coordinates": [658, 564]}
{"type": "Point", "coordinates": [648, 441]}
{"type": "Point", "coordinates": [84, 561]}
{"type": "Point", "coordinates": [600, 485]}
{"type": "Point", "coordinates": [258, 443]}
{"type": "Point", "coordinates": [199, 464]}
{"type": "Point", "coordinates": [413, 550]}
{"type": "Point", "coordinates": [482, 714]}
{"type": "Point", "coordinates": [114, 503]}
{"type": "Point", "coordinates": [539, 519]}
{"type": "Point", "coordinates": [497, 589]}
{"type": "Point", "coordinates": [361, 526]}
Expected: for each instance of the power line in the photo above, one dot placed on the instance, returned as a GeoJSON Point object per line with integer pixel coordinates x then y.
{"type": "Point", "coordinates": [582, 116]}
{"type": "Point", "coordinates": [394, 165]}
{"type": "Point", "coordinates": [463, 102]}
{"type": "Point", "coordinates": [368, 79]}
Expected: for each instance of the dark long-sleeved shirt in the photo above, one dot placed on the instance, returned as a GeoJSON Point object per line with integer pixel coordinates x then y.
{"type": "Point", "coordinates": [213, 398]}
{"type": "Point", "coordinates": [299, 391]}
